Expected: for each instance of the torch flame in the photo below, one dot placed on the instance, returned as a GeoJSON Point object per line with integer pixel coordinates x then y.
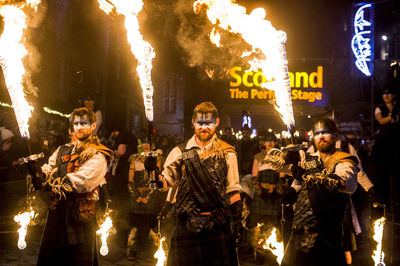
{"type": "Point", "coordinates": [160, 254]}
{"type": "Point", "coordinates": [378, 255]}
{"type": "Point", "coordinates": [141, 49]}
{"type": "Point", "coordinates": [104, 231]}
{"type": "Point", "coordinates": [23, 219]}
{"type": "Point", "coordinates": [232, 17]}
{"type": "Point", "coordinates": [272, 244]}
{"type": "Point", "coordinates": [12, 52]}
{"type": "Point", "coordinates": [215, 37]}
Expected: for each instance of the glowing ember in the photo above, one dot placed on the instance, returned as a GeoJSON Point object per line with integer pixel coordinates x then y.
{"type": "Point", "coordinates": [271, 43]}
{"type": "Point", "coordinates": [23, 219]}
{"type": "Point", "coordinates": [104, 231]}
{"type": "Point", "coordinates": [12, 52]}
{"type": "Point", "coordinates": [141, 49]}
{"type": "Point", "coordinates": [378, 255]}
{"type": "Point", "coordinates": [272, 244]}
{"type": "Point", "coordinates": [160, 254]}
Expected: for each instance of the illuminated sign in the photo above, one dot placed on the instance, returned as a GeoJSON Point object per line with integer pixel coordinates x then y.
{"type": "Point", "coordinates": [305, 86]}
{"type": "Point", "coordinates": [362, 42]}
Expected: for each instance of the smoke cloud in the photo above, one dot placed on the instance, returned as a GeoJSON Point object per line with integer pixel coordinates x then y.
{"type": "Point", "coordinates": [193, 37]}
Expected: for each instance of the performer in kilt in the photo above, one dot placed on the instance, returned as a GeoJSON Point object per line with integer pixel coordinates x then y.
{"type": "Point", "coordinates": [73, 175]}
{"type": "Point", "coordinates": [203, 174]}
{"type": "Point", "coordinates": [320, 193]}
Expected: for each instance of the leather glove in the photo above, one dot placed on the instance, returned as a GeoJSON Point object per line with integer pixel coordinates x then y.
{"type": "Point", "coordinates": [164, 211]}
{"type": "Point", "coordinates": [290, 197]}
{"type": "Point", "coordinates": [374, 199]}
{"type": "Point", "coordinates": [297, 172]}
{"type": "Point", "coordinates": [292, 157]}
{"type": "Point", "coordinates": [236, 210]}
{"type": "Point", "coordinates": [38, 176]}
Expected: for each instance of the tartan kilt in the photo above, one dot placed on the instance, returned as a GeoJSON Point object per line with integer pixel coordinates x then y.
{"type": "Point", "coordinates": [215, 247]}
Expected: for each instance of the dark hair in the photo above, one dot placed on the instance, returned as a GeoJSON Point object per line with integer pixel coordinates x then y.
{"type": "Point", "coordinates": [83, 111]}
{"type": "Point", "coordinates": [205, 107]}
{"type": "Point", "coordinates": [326, 124]}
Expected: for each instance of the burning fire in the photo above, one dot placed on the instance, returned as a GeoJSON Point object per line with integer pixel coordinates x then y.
{"type": "Point", "coordinates": [23, 219]}
{"type": "Point", "coordinates": [272, 244]}
{"type": "Point", "coordinates": [232, 17]}
{"type": "Point", "coordinates": [160, 254]}
{"type": "Point", "coordinates": [141, 49]}
{"type": "Point", "coordinates": [378, 255]}
{"type": "Point", "coordinates": [104, 231]}
{"type": "Point", "coordinates": [12, 52]}
{"type": "Point", "coordinates": [215, 37]}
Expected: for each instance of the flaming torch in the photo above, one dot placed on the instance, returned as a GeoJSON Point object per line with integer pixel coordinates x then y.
{"type": "Point", "coordinates": [23, 219]}
{"type": "Point", "coordinates": [104, 231]}
{"type": "Point", "coordinates": [12, 52]}
{"type": "Point", "coordinates": [378, 255]}
{"type": "Point", "coordinates": [141, 49]}
{"type": "Point", "coordinates": [271, 43]}
{"type": "Point", "coordinates": [272, 244]}
{"type": "Point", "coordinates": [160, 254]}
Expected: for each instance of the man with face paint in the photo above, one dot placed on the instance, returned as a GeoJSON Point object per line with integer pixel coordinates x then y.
{"type": "Point", "coordinates": [73, 174]}
{"type": "Point", "coordinates": [320, 193]}
{"type": "Point", "coordinates": [203, 174]}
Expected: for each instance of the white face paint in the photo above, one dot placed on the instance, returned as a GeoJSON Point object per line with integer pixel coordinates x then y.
{"type": "Point", "coordinates": [82, 127]}
{"type": "Point", "coordinates": [81, 123]}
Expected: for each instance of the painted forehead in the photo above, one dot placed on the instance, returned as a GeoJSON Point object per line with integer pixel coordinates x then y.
{"type": "Point", "coordinates": [81, 119]}
{"type": "Point", "coordinates": [205, 117]}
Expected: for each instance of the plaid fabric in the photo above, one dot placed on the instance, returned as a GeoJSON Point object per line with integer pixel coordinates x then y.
{"type": "Point", "coordinates": [215, 247]}
{"type": "Point", "coordinates": [61, 246]}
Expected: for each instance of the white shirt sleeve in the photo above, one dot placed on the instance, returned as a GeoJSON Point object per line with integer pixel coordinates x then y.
{"type": "Point", "coordinates": [377, 111]}
{"type": "Point", "coordinates": [90, 174]}
{"type": "Point", "coordinates": [172, 170]}
{"type": "Point", "coordinates": [362, 177]}
{"type": "Point", "coordinates": [233, 173]}
{"type": "Point", "coordinates": [348, 172]}
{"type": "Point", "coordinates": [48, 167]}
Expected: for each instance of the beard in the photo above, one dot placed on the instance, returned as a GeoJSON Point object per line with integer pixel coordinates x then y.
{"type": "Point", "coordinates": [325, 146]}
{"type": "Point", "coordinates": [205, 135]}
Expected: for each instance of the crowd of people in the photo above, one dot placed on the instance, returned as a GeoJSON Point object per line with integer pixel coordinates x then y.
{"type": "Point", "coordinates": [215, 193]}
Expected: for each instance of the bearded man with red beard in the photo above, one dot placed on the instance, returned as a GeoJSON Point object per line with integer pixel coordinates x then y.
{"type": "Point", "coordinates": [203, 175]}
{"type": "Point", "coordinates": [73, 174]}
{"type": "Point", "coordinates": [323, 182]}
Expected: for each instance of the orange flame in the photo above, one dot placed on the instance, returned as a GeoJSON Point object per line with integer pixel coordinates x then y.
{"type": "Point", "coordinates": [12, 52]}
{"type": "Point", "coordinates": [215, 37]}
{"type": "Point", "coordinates": [160, 254]}
{"type": "Point", "coordinates": [141, 49]}
{"type": "Point", "coordinates": [104, 231]}
{"type": "Point", "coordinates": [272, 244]}
{"type": "Point", "coordinates": [23, 219]}
{"type": "Point", "coordinates": [232, 17]}
{"type": "Point", "coordinates": [378, 254]}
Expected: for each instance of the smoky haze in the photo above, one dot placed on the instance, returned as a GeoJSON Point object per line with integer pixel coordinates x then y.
{"type": "Point", "coordinates": [193, 36]}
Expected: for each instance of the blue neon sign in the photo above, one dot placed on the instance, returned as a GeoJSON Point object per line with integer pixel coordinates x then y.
{"type": "Point", "coordinates": [246, 121]}
{"type": "Point", "coordinates": [362, 42]}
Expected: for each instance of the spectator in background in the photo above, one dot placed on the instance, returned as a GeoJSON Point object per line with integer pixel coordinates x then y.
{"type": "Point", "coordinates": [246, 152]}
{"type": "Point", "coordinates": [165, 145]}
{"type": "Point", "coordinates": [90, 104]}
{"type": "Point", "coordinates": [385, 151]}
{"type": "Point", "coordinates": [6, 163]}
{"type": "Point", "coordinates": [228, 137]}
{"type": "Point", "coordinates": [124, 144]}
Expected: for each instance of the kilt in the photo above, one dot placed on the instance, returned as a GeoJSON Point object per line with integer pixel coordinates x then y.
{"type": "Point", "coordinates": [64, 243]}
{"type": "Point", "coordinates": [215, 247]}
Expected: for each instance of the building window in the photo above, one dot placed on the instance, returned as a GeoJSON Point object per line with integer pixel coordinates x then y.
{"type": "Point", "coordinates": [169, 96]}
